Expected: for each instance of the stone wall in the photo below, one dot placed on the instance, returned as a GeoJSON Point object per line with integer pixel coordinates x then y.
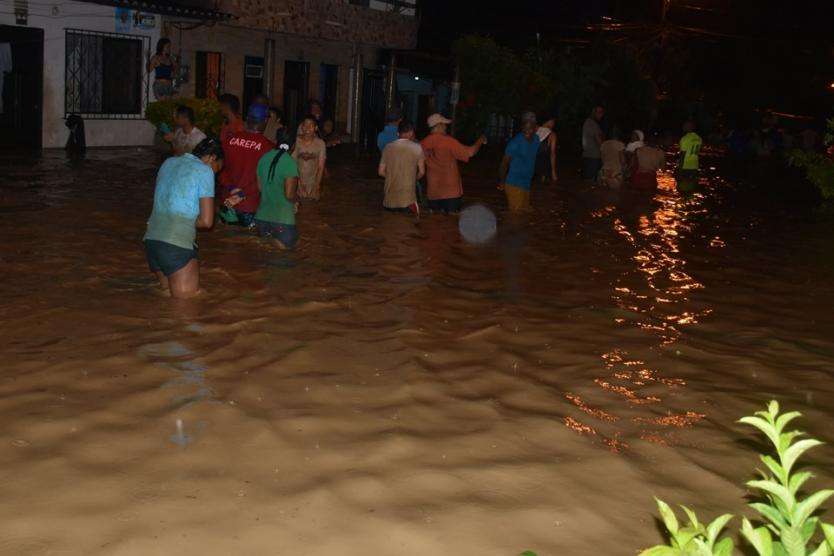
{"type": "Point", "coordinates": [326, 19]}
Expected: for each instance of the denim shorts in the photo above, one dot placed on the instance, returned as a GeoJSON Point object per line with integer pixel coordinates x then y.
{"type": "Point", "coordinates": [167, 258]}
{"type": "Point", "coordinates": [163, 89]}
{"type": "Point", "coordinates": [287, 234]}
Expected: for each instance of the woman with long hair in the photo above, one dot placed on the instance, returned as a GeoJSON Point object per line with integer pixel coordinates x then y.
{"type": "Point", "coordinates": [163, 66]}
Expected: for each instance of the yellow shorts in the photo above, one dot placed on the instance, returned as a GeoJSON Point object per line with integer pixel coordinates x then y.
{"type": "Point", "coordinates": [518, 199]}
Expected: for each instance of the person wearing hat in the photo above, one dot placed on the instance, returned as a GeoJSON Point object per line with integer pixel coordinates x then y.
{"type": "Point", "coordinates": [445, 189]}
{"type": "Point", "coordinates": [390, 132]}
{"type": "Point", "coordinates": [239, 179]}
{"type": "Point", "coordinates": [519, 164]}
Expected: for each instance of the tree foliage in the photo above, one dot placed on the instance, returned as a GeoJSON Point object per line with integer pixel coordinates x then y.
{"type": "Point", "coordinates": [819, 168]}
{"type": "Point", "coordinates": [558, 81]}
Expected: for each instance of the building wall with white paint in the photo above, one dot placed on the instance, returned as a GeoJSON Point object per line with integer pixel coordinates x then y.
{"type": "Point", "coordinates": [55, 18]}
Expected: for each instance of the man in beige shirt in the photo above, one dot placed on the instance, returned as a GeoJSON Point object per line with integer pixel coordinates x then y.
{"type": "Point", "coordinates": [402, 164]}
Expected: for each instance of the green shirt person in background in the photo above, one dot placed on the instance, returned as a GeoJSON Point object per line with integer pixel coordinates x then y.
{"type": "Point", "coordinates": [690, 146]}
{"type": "Point", "coordinates": [278, 182]}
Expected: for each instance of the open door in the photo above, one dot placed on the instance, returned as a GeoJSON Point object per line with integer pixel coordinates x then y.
{"type": "Point", "coordinates": [296, 91]}
{"type": "Point", "coordinates": [253, 79]}
{"type": "Point", "coordinates": [21, 85]}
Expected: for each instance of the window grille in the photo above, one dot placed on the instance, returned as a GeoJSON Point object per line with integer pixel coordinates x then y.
{"type": "Point", "coordinates": [105, 75]}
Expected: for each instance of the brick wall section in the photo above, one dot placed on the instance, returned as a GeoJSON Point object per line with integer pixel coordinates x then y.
{"type": "Point", "coordinates": [326, 19]}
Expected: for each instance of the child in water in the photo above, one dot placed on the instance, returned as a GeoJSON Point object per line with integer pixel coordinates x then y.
{"type": "Point", "coordinates": [310, 153]}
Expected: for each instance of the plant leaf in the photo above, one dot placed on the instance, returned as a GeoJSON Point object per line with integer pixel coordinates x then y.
{"type": "Point", "coordinates": [828, 531]}
{"type": "Point", "coordinates": [822, 550]}
{"type": "Point", "coordinates": [715, 527]}
{"type": "Point", "coordinates": [791, 540]}
{"type": "Point", "coordinates": [792, 454]}
{"type": "Point", "coordinates": [785, 440]}
{"type": "Point", "coordinates": [783, 420]}
{"type": "Point", "coordinates": [774, 467]}
{"type": "Point", "coordinates": [771, 513]}
{"type": "Point", "coordinates": [693, 519]}
{"type": "Point", "coordinates": [776, 490]}
{"type": "Point", "coordinates": [661, 550]}
{"type": "Point", "coordinates": [763, 426]}
{"type": "Point", "coordinates": [797, 480]}
{"type": "Point", "coordinates": [668, 516]}
{"type": "Point", "coordinates": [528, 553]}
{"type": "Point", "coordinates": [723, 548]}
{"type": "Point", "coordinates": [809, 528]}
{"type": "Point", "coordinates": [759, 538]}
{"type": "Point", "coordinates": [804, 509]}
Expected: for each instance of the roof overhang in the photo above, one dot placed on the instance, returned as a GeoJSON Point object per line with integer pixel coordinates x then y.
{"type": "Point", "coordinates": [166, 7]}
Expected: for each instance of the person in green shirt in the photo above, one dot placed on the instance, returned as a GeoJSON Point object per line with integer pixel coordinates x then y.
{"type": "Point", "coordinates": [690, 147]}
{"type": "Point", "coordinates": [278, 182]}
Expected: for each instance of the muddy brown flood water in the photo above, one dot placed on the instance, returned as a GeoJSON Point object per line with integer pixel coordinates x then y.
{"type": "Point", "coordinates": [387, 388]}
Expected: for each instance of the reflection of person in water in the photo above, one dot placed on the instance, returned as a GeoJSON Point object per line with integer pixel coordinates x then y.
{"type": "Point", "coordinates": [311, 154]}
{"type": "Point", "coordinates": [163, 66]}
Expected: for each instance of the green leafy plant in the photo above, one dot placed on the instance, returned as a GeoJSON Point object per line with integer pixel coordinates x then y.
{"type": "Point", "coordinates": [819, 168]}
{"type": "Point", "coordinates": [789, 527]}
{"type": "Point", "coordinates": [207, 115]}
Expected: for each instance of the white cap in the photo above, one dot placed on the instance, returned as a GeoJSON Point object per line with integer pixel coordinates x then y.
{"type": "Point", "coordinates": [436, 119]}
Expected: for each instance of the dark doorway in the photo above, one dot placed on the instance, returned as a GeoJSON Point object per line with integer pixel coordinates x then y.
{"type": "Point", "coordinates": [296, 90]}
{"type": "Point", "coordinates": [328, 89]}
{"type": "Point", "coordinates": [253, 79]}
{"type": "Point", "coordinates": [21, 85]}
{"type": "Point", "coordinates": [208, 75]}
{"type": "Point", "coordinates": [373, 108]}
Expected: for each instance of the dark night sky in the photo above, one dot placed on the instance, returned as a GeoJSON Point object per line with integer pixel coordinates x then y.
{"type": "Point", "coordinates": [768, 53]}
{"type": "Point", "coordinates": [443, 20]}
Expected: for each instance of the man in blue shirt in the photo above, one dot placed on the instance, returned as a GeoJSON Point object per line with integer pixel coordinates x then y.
{"type": "Point", "coordinates": [390, 132]}
{"type": "Point", "coordinates": [519, 165]}
{"type": "Point", "coordinates": [183, 201]}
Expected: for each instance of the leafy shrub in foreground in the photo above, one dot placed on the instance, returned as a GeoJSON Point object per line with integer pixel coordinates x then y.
{"type": "Point", "coordinates": [789, 527]}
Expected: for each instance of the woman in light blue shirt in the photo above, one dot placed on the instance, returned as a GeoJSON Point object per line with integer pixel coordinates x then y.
{"type": "Point", "coordinates": [183, 201]}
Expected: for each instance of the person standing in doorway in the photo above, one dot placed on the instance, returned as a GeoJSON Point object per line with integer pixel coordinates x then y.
{"type": "Point", "coordinates": [239, 179]}
{"type": "Point", "coordinates": [183, 202]}
{"type": "Point", "coordinates": [390, 132]}
{"type": "Point", "coordinates": [402, 164]}
{"type": "Point", "coordinates": [232, 122]}
{"type": "Point", "coordinates": [519, 165]}
{"type": "Point", "coordinates": [592, 139]}
{"type": "Point", "coordinates": [442, 151]}
{"type": "Point", "coordinates": [163, 67]}
{"type": "Point", "coordinates": [187, 135]}
{"type": "Point", "coordinates": [310, 153]}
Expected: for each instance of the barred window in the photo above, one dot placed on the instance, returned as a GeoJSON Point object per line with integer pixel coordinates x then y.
{"type": "Point", "coordinates": [105, 77]}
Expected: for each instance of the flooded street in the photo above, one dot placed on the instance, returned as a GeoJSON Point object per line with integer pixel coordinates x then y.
{"type": "Point", "coordinates": [388, 388]}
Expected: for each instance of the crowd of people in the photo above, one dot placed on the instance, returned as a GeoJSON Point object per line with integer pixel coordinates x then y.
{"type": "Point", "coordinates": [260, 172]}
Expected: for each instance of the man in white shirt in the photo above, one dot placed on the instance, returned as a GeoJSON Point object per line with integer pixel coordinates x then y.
{"type": "Point", "coordinates": [402, 164]}
{"type": "Point", "coordinates": [187, 135]}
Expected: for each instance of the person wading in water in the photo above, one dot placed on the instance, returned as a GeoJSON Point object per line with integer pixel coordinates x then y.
{"type": "Point", "coordinates": [183, 202]}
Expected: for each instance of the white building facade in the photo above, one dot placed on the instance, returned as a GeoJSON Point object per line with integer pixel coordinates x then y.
{"type": "Point", "coordinates": [80, 58]}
